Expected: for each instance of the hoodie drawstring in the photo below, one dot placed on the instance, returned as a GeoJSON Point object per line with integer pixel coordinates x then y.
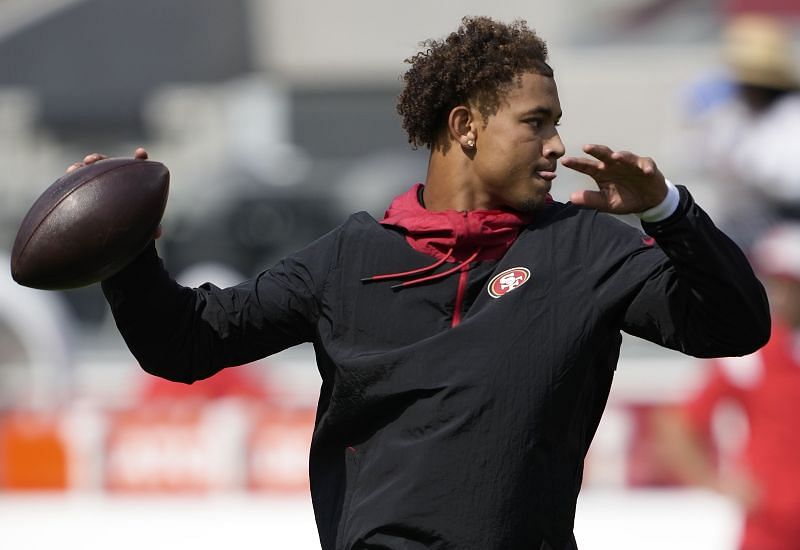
{"type": "Point", "coordinates": [408, 273]}
{"type": "Point", "coordinates": [435, 276]}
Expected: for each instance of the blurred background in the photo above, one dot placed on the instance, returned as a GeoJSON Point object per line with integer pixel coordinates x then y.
{"type": "Point", "coordinates": [277, 119]}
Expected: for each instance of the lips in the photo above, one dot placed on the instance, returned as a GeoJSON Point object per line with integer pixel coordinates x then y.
{"type": "Point", "coordinates": [548, 175]}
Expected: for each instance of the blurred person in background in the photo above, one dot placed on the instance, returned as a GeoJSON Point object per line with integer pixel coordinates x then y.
{"type": "Point", "coordinates": [765, 476]}
{"type": "Point", "coordinates": [744, 129]}
{"type": "Point", "coordinates": [468, 340]}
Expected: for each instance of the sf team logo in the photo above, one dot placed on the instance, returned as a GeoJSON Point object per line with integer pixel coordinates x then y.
{"type": "Point", "coordinates": [508, 280]}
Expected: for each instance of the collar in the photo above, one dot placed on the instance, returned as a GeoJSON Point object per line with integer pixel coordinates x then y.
{"type": "Point", "coordinates": [451, 234]}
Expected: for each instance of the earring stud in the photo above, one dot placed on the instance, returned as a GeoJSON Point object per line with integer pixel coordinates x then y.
{"type": "Point", "coordinates": [470, 143]}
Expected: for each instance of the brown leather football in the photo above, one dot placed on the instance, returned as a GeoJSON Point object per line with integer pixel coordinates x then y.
{"type": "Point", "coordinates": [90, 223]}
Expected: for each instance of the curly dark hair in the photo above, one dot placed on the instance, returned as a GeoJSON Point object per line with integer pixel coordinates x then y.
{"type": "Point", "coordinates": [478, 62]}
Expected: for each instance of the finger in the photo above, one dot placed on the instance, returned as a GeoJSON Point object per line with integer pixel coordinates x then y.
{"type": "Point", "coordinates": [590, 167]}
{"type": "Point", "coordinates": [601, 152]}
{"type": "Point", "coordinates": [93, 157]}
{"type": "Point", "coordinates": [647, 166]}
{"type": "Point", "coordinates": [626, 157]}
{"type": "Point", "coordinates": [74, 166]}
{"type": "Point", "coordinates": [590, 199]}
{"type": "Point", "coordinates": [140, 153]}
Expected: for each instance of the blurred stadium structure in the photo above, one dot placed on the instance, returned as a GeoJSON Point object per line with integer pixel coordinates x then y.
{"type": "Point", "coordinates": [276, 118]}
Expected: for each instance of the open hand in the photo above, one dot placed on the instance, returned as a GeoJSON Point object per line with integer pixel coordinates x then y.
{"type": "Point", "coordinates": [627, 182]}
{"type": "Point", "coordinates": [91, 158]}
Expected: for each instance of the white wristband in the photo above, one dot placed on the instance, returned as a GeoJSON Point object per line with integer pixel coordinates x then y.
{"type": "Point", "coordinates": [665, 208]}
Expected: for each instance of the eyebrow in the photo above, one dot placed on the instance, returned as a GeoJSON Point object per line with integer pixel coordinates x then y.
{"type": "Point", "coordinates": [542, 111]}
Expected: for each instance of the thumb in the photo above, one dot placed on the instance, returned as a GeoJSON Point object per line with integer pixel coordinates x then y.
{"type": "Point", "coordinates": [589, 199]}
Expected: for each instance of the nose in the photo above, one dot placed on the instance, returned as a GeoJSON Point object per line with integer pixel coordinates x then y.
{"type": "Point", "coordinates": [554, 147]}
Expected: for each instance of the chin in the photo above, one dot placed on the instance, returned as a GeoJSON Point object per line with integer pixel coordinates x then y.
{"type": "Point", "coordinates": [530, 204]}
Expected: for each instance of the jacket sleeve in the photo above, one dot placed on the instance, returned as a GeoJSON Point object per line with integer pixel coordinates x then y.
{"type": "Point", "coordinates": [693, 291]}
{"type": "Point", "coordinates": [186, 334]}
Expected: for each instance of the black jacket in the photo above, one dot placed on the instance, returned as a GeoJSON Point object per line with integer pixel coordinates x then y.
{"type": "Point", "coordinates": [466, 437]}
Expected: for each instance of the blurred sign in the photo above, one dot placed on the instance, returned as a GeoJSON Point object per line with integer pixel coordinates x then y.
{"type": "Point", "coordinates": [33, 454]}
{"type": "Point", "coordinates": [171, 449]}
{"type": "Point", "coordinates": [219, 446]}
{"type": "Point", "coordinates": [278, 451]}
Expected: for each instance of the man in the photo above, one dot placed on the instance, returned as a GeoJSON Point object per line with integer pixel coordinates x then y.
{"type": "Point", "coordinates": [764, 476]}
{"type": "Point", "coordinates": [467, 341]}
{"type": "Point", "coordinates": [746, 143]}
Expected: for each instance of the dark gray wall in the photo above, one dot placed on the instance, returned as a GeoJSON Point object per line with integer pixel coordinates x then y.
{"type": "Point", "coordinates": [92, 65]}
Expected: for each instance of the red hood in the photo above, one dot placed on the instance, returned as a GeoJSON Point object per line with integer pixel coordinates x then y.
{"type": "Point", "coordinates": [491, 232]}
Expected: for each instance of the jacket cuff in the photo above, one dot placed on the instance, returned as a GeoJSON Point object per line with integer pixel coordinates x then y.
{"type": "Point", "coordinates": [133, 274]}
{"type": "Point", "coordinates": [685, 202]}
{"type": "Point", "coordinates": [665, 208]}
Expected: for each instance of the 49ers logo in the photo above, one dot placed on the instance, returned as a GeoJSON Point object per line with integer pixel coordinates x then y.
{"type": "Point", "coordinates": [508, 280]}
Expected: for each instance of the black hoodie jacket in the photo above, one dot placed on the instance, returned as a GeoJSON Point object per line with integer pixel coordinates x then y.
{"type": "Point", "coordinates": [430, 435]}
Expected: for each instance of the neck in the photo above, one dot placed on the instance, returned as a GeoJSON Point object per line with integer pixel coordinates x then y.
{"type": "Point", "coordinates": [449, 184]}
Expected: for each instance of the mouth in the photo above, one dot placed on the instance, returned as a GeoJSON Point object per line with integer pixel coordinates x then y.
{"type": "Point", "coordinates": [547, 175]}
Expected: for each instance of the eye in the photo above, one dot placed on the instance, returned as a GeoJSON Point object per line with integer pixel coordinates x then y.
{"type": "Point", "coordinates": [539, 123]}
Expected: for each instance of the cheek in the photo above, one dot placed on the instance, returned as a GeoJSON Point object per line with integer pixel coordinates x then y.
{"type": "Point", "coordinates": [515, 153]}
{"type": "Point", "coordinates": [501, 168]}
{"type": "Point", "coordinates": [492, 160]}
{"type": "Point", "coordinates": [525, 158]}
{"type": "Point", "coordinates": [507, 154]}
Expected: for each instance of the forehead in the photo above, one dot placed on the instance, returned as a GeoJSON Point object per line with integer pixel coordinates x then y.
{"type": "Point", "coordinates": [532, 91]}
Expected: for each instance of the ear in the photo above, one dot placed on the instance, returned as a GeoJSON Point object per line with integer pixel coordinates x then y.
{"type": "Point", "coordinates": [461, 126]}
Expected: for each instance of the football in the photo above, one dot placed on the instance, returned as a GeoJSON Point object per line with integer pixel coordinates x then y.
{"type": "Point", "coordinates": [90, 223]}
